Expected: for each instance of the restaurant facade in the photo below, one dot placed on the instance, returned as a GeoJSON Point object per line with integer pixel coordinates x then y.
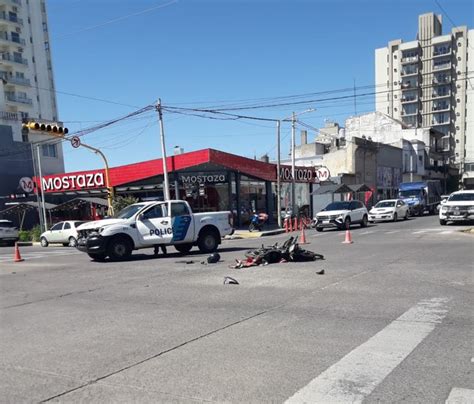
{"type": "Point", "coordinates": [210, 180]}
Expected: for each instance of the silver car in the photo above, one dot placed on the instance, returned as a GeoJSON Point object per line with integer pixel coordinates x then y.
{"type": "Point", "coordinates": [8, 232]}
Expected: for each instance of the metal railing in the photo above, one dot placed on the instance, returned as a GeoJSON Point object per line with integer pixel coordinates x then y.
{"type": "Point", "coordinates": [22, 100]}
{"type": "Point", "coordinates": [7, 56]}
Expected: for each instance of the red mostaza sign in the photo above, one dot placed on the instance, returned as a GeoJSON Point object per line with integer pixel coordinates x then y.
{"type": "Point", "coordinates": [74, 181]}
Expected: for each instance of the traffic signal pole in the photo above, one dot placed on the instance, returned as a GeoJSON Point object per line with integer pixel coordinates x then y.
{"type": "Point", "coordinates": [110, 189]}
{"type": "Point", "coordinates": [43, 207]}
{"type": "Point", "coordinates": [166, 190]}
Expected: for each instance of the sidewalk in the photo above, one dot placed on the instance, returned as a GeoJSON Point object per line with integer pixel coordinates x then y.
{"type": "Point", "coordinates": [244, 233]}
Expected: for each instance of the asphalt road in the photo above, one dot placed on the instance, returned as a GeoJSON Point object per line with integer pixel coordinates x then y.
{"type": "Point", "coordinates": [391, 320]}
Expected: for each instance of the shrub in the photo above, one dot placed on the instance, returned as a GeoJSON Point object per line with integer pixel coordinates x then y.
{"type": "Point", "coordinates": [24, 235]}
{"type": "Point", "coordinates": [36, 233]}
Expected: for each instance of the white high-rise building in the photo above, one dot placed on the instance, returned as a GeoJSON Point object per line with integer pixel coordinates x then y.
{"type": "Point", "coordinates": [429, 82]}
{"type": "Point", "coordinates": [26, 76]}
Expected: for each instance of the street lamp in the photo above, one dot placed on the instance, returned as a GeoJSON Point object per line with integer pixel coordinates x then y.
{"type": "Point", "coordinates": [291, 119]}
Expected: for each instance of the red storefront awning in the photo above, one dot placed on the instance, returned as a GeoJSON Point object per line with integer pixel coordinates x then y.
{"type": "Point", "coordinates": [95, 179]}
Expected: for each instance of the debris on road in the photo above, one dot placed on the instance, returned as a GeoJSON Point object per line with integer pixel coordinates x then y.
{"type": "Point", "coordinates": [185, 262]}
{"type": "Point", "coordinates": [214, 258]}
{"type": "Point", "coordinates": [289, 251]}
{"type": "Point", "coordinates": [320, 272]}
{"type": "Point", "coordinates": [230, 281]}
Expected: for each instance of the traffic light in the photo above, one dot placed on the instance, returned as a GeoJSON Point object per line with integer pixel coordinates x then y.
{"type": "Point", "coordinates": [45, 127]}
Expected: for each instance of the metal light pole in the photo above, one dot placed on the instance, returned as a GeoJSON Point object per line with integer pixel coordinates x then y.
{"type": "Point", "coordinates": [43, 208]}
{"type": "Point", "coordinates": [293, 164]}
{"type": "Point", "coordinates": [278, 175]}
{"type": "Point", "coordinates": [38, 200]}
{"type": "Point", "coordinates": [293, 159]}
{"type": "Point", "coordinates": [163, 152]}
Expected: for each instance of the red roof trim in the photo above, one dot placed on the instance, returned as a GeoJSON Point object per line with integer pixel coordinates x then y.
{"type": "Point", "coordinates": [128, 173]}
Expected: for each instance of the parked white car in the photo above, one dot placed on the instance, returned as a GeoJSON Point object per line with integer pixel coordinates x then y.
{"type": "Point", "coordinates": [389, 209]}
{"type": "Point", "coordinates": [8, 232]}
{"type": "Point", "coordinates": [64, 233]}
{"type": "Point", "coordinates": [459, 207]}
{"type": "Point", "coordinates": [341, 215]}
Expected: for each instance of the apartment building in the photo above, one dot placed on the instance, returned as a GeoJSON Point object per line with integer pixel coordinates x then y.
{"type": "Point", "coordinates": [429, 82]}
{"type": "Point", "coordinates": [26, 79]}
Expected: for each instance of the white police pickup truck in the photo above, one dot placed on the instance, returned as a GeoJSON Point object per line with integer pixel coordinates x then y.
{"type": "Point", "coordinates": [151, 224]}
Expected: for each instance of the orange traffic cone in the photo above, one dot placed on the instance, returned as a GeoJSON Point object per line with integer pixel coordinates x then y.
{"type": "Point", "coordinates": [295, 226]}
{"type": "Point", "coordinates": [302, 236]}
{"type": "Point", "coordinates": [348, 239]}
{"type": "Point", "coordinates": [17, 254]}
{"type": "Point", "coordinates": [286, 225]}
{"type": "Point", "coordinates": [290, 227]}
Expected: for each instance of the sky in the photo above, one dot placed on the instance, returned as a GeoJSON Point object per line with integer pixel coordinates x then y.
{"type": "Point", "coordinates": [114, 57]}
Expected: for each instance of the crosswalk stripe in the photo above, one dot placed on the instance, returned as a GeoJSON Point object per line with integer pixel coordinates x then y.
{"type": "Point", "coordinates": [358, 373]}
{"type": "Point", "coordinates": [460, 396]}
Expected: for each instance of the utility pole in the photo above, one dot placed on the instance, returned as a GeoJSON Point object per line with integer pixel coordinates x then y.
{"type": "Point", "coordinates": [293, 167]}
{"type": "Point", "coordinates": [43, 208]}
{"type": "Point", "coordinates": [278, 175]}
{"type": "Point", "coordinates": [166, 190]}
{"type": "Point", "coordinates": [38, 200]}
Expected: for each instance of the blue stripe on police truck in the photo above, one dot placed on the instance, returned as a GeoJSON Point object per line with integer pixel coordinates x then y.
{"type": "Point", "coordinates": [180, 227]}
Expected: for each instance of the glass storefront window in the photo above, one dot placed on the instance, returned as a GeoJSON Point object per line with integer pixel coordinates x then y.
{"type": "Point", "coordinates": [253, 198]}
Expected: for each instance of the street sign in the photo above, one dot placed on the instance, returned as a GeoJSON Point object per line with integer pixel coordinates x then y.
{"type": "Point", "coordinates": [323, 173]}
{"type": "Point", "coordinates": [26, 184]}
{"type": "Point", "coordinates": [75, 142]}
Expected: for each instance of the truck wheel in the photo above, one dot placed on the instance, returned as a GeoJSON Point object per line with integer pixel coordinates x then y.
{"type": "Point", "coordinates": [208, 241]}
{"type": "Point", "coordinates": [119, 249]}
{"type": "Point", "coordinates": [442, 222]}
{"type": "Point", "coordinates": [183, 248]}
{"type": "Point", "coordinates": [97, 257]}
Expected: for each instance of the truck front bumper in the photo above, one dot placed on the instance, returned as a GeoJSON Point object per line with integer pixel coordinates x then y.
{"type": "Point", "coordinates": [93, 244]}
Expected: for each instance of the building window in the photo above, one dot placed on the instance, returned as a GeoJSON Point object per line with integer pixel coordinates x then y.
{"type": "Point", "coordinates": [49, 150]}
{"type": "Point", "coordinates": [45, 27]}
{"type": "Point", "coordinates": [46, 46]}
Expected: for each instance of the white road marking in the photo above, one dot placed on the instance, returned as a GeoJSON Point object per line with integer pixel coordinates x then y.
{"type": "Point", "coordinates": [447, 232]}
{"type": "Point", "coordinates": [460, 396]}
{"type": "Point", "coordinates": [419, 232]}
{"type": "Point", "coordinates": [392, 232]}
{"type": "Point", "coordinates": [358, 373]}
{"type": "Point", "coordinates": [36, 255]}
{"type": "Point", "coordinates": [367, 232]}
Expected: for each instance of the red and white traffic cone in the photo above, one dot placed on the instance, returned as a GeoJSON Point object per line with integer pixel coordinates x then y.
{"type": "Point", "coordinates": [17, 257]}
{"type": "Point", "coordinates": [290, 227]}
{"type": "Point", "coordinates": [302, 236]}
{"type": "Point", "coordinates": [295, 226]}
{"type": "Point", "coordinates": [286, 225]}
{"type": "Point", "coordinates": [348, 239]}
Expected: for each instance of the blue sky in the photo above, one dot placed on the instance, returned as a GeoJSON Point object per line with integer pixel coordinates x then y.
{"type": "Point", "coordinates": [201, 53]}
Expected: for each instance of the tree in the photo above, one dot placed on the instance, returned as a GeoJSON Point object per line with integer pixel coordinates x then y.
{"type": "Point", "coordinates": [121, 202]}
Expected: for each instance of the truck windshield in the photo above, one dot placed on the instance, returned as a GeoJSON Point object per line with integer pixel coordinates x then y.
{"type": "Point", "coordinates": [129, 211]}
{"type": "Point", "coordinates": [410, 193]}
{"type": "Point", "coordinates": [461, 197]}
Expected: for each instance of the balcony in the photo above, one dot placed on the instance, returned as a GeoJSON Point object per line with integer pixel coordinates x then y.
{"type": "Point", "coordinates": [410, 59]}
{"type": "Point", "coordinates": [14, 59]}
{"type": "Point", "coordinates": [18, 81]}
{"type": "Point", "coordinates": [9, 38]}
{"type": "Point", "coordinates": [409, 113]}
{"type": "Point", "coordinates": [441, 52]}
{"type": "Point", "coordinates": [441, 108]}
{"type": "Point", "coordinates": [440, 67]}
{"type": "Point", "coordinates": [408, 85]}
{"type": "Point", "coordinates": [409, 73]}
{"type": "Point", "coordinates": [9, 116]}
{"type": "Point", "coordinates": [441, 95]}
{"type": "Point", "coordinates": [20, 100]}
{"type": "Point", "coordinates": [9, 18]}
{"type": "Point", "coordinates": [406, 100]}
{"type": "Point", "coordinates": [441, 80]}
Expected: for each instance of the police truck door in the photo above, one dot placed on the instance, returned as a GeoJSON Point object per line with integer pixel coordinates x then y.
{"type": "Point", "coordinates": [154, 225]}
